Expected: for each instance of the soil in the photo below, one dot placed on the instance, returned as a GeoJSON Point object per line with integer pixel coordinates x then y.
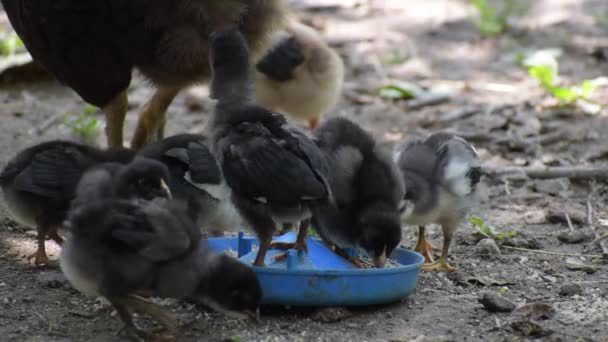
{"type": "Point", "coordinates": [510, 121]}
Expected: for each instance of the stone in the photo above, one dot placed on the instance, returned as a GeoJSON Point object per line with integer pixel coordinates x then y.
{"type": "Point", "coordinates": [331, 315]}
{"type": "Point", "coordinates": [496, 303]}
{"type": "Point", "coordinates": [51, 279]}
{"type": "Point", "coordinates": [570, 289]}
{"type": "Point", "coordinates": [487, 247]}
{"type": "Point", "coordinates": [575, 236]}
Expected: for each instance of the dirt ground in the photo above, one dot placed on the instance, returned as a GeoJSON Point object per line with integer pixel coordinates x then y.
{"type": "Point", "coordinates": [494, 102]}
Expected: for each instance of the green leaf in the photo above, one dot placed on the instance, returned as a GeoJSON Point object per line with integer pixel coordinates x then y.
{"type": "Point", "coordinates": [544, 74]}
{"type": "Point", "coordinates": [89, 109]}
{"type": "Point", "coordinates": [401, 90]}
{"type": "Point", "coordinates": [506, 235]}
{"type": "Point", "coordinates": [476, 221]}
{"type": "Point", "coordinates": [391, 93]}
{"type": "Point", "coordinates": [588, 87]}
{"type": "Point", "coordinates": [567, 95]}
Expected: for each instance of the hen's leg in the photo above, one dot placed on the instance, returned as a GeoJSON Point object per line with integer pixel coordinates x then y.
{"type": "Point", "coordinates": [115, 113]}
{"type": "Point", "coordinates": [55, 235]}
{"type": "Point", "coordinates": [151, 122]}
{"type": "Point", "coordinates": [40, 257]}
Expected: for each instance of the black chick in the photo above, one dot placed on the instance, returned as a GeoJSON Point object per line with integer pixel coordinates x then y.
{"type": "Point", "coordinates": [92, 46]}
{"type": "Point", "coordinates": [277, 174]}
{"type": "Point", "coordinates": [441, 174]}
{"type": "Point", "coordinates": [140, 180]}
{"type": "Point", "coordinates": [368, 190]}
{"type": "Point", "coordinates": [196, 178]}
{"type": "Point", "coordinates": [39, 183]}
{"type": "Point", "coordinates": [123, 250]}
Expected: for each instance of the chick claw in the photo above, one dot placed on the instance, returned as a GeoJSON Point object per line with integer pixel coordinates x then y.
{"type": "Point", "coordinates": [439, 265]}
{"type": "Point", "coordinates": [424, 247]}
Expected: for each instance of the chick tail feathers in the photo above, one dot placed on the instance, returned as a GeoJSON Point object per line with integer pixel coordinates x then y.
{"type": "Point", "coordinates": [231, 80]}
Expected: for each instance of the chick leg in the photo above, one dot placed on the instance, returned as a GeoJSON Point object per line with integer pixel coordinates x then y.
{"type": "Point", "coordinates": [265, 241]}
{"type": "Point", "coordinates": [151, 123]}
{"type": "Point", "coordinates": [355, 261]}
{"type": "Point", "coordinates": [129, 327]}
{"type": "Point", "coordinates": [299, 245]}
{"type": "Point", "coordinates": [115, 113]}
{"type": "Point", "coordinates": [423, 246]}
{"type": "Point", "coordinates": [143, 306]}
{"type": "Point", "coordinates": [442, 263]}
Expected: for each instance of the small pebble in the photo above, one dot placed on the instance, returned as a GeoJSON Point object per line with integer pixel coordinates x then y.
{"type": "Point", "coordinates": [331, 315]}
{"type": "Point", "coordinates": [570, 289]}
{"type": "Point", "coordinates": [496, 303]}
{"type": "Point", "coordinates": [573, 236]}
{"type": "Point", "coordinates": [51, 279]}
{"type": "Point", "coordinates": [487, 247]}
{"type": "Point", "coordinates": [31, 233]}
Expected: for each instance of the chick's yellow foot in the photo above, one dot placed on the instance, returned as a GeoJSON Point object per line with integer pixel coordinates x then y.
{"type": "Point", "coordinates": [424, 247]}
{"type": "Point", "coordinates": [439, 265]}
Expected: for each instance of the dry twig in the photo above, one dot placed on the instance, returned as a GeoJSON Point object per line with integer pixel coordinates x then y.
{"type": "Point", "coordinates": [572, 172]}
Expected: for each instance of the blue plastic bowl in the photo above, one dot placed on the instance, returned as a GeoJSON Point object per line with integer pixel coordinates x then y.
{"type": "Point", "coordinates": [322, 278]}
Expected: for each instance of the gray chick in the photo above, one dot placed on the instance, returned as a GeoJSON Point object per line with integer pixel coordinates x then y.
{"type": "Point", "coordinates": [441, 174]}
{"type": "Point", "coordinates": [123, 249]}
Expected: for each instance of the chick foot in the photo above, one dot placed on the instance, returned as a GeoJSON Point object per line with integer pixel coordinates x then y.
{"type": "Point", "coordinates": [135, 334]}
{"type": "Point", "coordinates": [424, 247]}
{"type": "Point", "coordinates": [440, 265]}
{"type": "Point", "coordinates": [143, 306]}
{"type": "Point", "coordinates": [298, 246]}
{"type": "Point", "coordinates": [355, 261]}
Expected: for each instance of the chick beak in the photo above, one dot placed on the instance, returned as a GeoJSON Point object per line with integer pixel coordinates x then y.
{"type": "Point", "coordinates": [380, 260]}
{"type": "Point", "coordinates": [164, 188]}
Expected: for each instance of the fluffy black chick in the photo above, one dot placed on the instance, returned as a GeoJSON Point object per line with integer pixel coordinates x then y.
{"type": "Point", "coordinates": [142, 179]}
{"type": "Point", "coordinates": [195, 177]}
{"type": "Point", "coordinates": [441, 174]}
{"type": "Point", "coordinates": [276, 173]}
{"type": "Point", "coordinates": [368, 190]}
{"type": "Point", "coordinates": [39, 183]}
{"type": "Point", "coordinates": [122, 250]}
{"type": "Point", "coordinates": [93, 46]}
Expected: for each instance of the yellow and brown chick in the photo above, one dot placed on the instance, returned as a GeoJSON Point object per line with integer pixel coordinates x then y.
{"type": "Point", "coordinates": [300, 75]}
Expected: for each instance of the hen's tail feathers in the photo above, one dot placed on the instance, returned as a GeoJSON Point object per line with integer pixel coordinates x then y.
{"type": "Point", "coordinates": [232, 80]}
